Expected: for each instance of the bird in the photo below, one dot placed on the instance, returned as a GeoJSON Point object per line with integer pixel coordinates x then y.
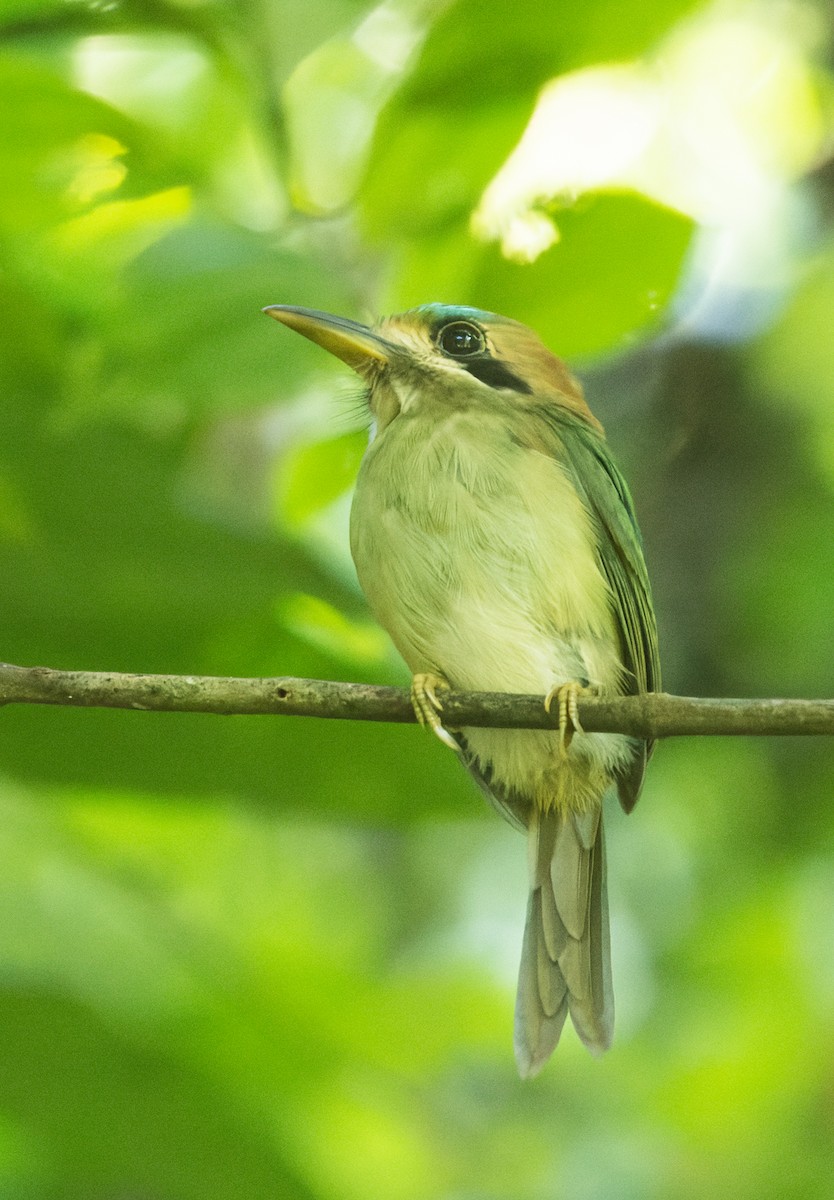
{"type": "Point", "coordinates": [496, 541]}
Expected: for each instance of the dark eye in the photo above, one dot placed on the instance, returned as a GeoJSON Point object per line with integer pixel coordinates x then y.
{"type": "Point", "coordinates": [460, 339]}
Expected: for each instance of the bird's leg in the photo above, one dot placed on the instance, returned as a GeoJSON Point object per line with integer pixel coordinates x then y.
{"type": "Point", "coordinates": [427, 707]}
{"type": "Point", "coordinates": [567, 695]}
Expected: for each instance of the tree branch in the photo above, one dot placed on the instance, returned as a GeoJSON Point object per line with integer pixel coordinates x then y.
{"type": "Point", "coordinates": [655, 715]}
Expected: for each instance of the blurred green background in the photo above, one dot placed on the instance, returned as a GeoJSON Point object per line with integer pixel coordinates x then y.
{"type": "Point", "coordinates": [268, 958]}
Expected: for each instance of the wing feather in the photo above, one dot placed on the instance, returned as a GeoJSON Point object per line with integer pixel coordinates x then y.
{"type": "Point", "coordinates": [605, 495]}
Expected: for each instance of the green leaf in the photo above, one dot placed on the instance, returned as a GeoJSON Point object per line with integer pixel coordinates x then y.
{"type": "Point", "coordinates": [329, 628]}
{"type": "Point", "coordinates": [316, 474]}
{"type": "Point", "coordinates": [419, 186]}
{"type": "Point", "coordinates": [607, 280]}
{"type": "Point", "coordinates": [464, 105]}
{"type": "Point", "coordinates": [476, 54]}
{"type": "Point", "coordinates": [42, 150]}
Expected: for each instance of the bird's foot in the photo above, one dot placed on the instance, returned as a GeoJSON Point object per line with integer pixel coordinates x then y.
{"type": "Point", "coordinates": [567, 695]}
{"type": "Point", "coordinates": [427, 707]}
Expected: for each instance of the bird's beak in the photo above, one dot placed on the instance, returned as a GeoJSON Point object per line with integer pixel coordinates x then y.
{"type": "Point", "coordinates": [353, 343]}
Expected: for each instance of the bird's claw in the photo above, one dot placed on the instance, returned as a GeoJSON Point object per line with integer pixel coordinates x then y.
{"type": "Point", "coordinates": [567, 695]}
{"type": "Point", "coordinates": [427, 707]}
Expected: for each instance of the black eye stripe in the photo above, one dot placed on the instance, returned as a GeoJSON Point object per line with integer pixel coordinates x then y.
{"type": "Point", "coordinates": [494, 373]}
{"type": "Point", "coordinates": [466, 342]}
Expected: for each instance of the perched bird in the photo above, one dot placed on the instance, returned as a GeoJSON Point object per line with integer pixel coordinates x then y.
{"type": "Point", "coordinates": [496, 542]}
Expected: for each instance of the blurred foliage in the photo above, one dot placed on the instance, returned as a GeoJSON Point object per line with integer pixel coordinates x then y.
{"type": "Point", "coordinates": [275, 958]}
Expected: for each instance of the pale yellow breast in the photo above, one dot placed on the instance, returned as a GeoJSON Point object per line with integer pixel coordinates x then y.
{"type": "Point", "coordinates": [479, 558]}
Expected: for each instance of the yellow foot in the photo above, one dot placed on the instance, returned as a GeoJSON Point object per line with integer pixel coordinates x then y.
{"type": "Point", "coordinates": [567, 695]}
{"type": "Point", "coordinates": [427, 707]}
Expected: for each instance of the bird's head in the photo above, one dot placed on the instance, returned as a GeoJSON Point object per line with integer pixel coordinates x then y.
{"type": "Point", "coordinates": [444, 354]}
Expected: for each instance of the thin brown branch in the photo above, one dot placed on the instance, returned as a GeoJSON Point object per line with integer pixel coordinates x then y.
{"type": "Point", "coordinates": [656, 715]}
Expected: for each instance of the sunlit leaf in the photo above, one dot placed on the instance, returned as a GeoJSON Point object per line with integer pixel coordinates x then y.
{"type": "Point", "coordinates": [609, 277]}
{"type": "Point", "coordinates": [327, 627]}
{"type": "Point", "coordinates": [317, 473]}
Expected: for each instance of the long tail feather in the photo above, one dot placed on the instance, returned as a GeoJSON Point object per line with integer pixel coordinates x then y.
{"type": "Point", "coordinates": [566, 953]}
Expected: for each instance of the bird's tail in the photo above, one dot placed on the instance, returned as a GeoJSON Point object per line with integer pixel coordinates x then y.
{"type": "Point", "coordinates": [566, 953]}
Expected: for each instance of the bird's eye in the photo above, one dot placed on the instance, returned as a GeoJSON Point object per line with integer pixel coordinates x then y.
{"type": "Point", "coordinates": [460, 339]}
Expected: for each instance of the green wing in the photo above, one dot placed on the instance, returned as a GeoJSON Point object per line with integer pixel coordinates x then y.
{"type": "Point", "coordinates": [606, 497]}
